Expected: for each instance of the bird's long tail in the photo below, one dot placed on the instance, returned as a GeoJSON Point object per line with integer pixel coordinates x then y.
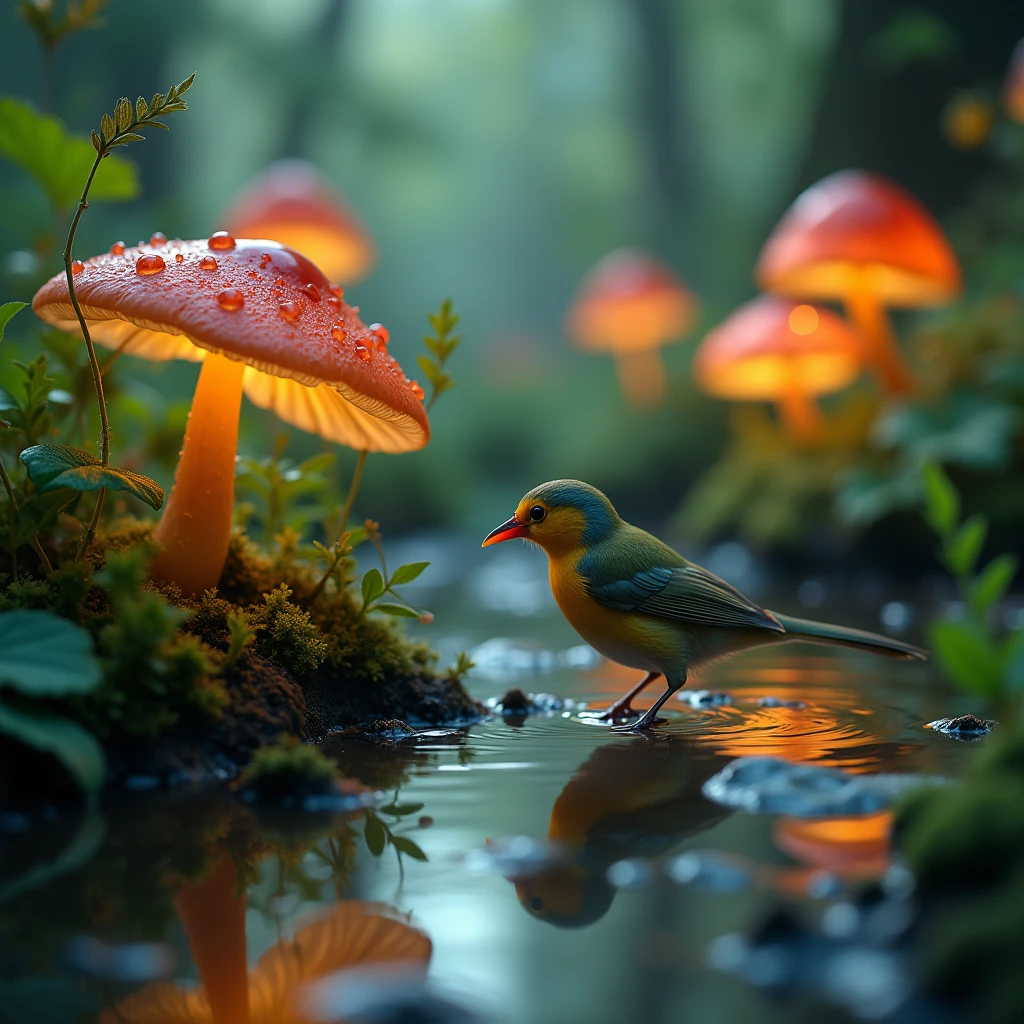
{"type": "Point", "coordinates": [842, 636]}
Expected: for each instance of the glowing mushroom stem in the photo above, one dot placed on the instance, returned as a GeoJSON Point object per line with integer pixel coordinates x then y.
{"type": "Point", "coordinates": [196, 525]}
{"type": "Point", "coordinates": [213, 913]}
{"type": "Point", "coordinates": [870, 316]}
{"type": "Point", "coordinates": [642, 377]}
{"type": "Point", "coordinates": [800, 414]}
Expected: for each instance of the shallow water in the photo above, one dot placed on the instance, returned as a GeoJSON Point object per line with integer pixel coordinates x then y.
{"type": "Point", "coordinates": [562, 945]}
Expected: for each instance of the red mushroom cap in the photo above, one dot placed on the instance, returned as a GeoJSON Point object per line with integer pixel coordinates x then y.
{"type": "Point", "coordinates": [854, 230]}
{"type": "Point", "coordinates": [294, 203]}
{"type": "Point", "coordinates": [771, 345]}
{"type": "Point", "coordinates": [310, 359]}
{"type": "Point", "coordinates": [630, 302]}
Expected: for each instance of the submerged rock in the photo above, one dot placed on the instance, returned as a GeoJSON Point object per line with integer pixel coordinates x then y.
{"type": "Point", "coordinates": [515, 704]}
{"type": "Point", "coordinates": [770, 785]}
{"type": "Point", "coordinates": [711, 871]}
{"type": "Point", "coordinates": [515, 857]}
{"type": "Point", "coordinates": [963, 727]}
{"type": "Point", "coordinates": [779, 702]}
{"type": "Point", "coordinates": [705, 698]}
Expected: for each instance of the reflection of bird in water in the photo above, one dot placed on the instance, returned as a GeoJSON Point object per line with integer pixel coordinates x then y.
{"type": "Point", "coordinates": [634, 799]}
{"type": "Point", "coordinates": [213, 913]}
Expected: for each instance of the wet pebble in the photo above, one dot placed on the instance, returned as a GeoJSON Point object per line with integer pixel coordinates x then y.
{"type": "Point", "coordinates": [705, 698]}
{"type": "Point", "coordinates": [515, 857]}
{"type": "Point", "coordinates": [770, 785]}
{"type": "Point", "coordinates": [515, 703]}
{"type": "Point", "coordinates": [711, 871]}
{"type": "Point", "coordinates": [130, 963]}
{"type": "Point", "coordinates": [778, 702]}
{"type": "Point", "coordinates": [963, 727]}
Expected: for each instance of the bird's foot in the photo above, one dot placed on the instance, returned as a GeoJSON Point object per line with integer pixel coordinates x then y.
{"type": "Point", "coordinates": [617, 712]}
{"type": "Point", "coordinates": [642, 724]}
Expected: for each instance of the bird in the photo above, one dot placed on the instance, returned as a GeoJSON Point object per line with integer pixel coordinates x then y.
{"type": "Point", "coordinates": [639, 798]}
{"type": "Point", "coordinates": [642, 604]}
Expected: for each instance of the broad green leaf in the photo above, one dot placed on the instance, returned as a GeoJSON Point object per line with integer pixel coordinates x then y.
{"type": "Point", "coordinates": [51, 466]}
{"type": "Point", "coordinates": [58, 161]}
{"type": "Point", "coordinates": [942, 503]}
{"type": "Point", "coordinates": [405, 845]}
{"type": "Point", "coordinates": [992, 583]}
{"type": "Point", "coordinates": [74, 747]}
{"type": "Point", "coordinates": [7, 310]}
{"type": "Point", "coordinates": [401, 810]}
{"type": "Point", "coordinates": [372, 586]}
{"type": "Point", "coordinates": [407, 573]}
{"type": "Point", "coordinates": [43, 655]}
{"type": "Point", "coordinates": [966, 656]}
{"type": "Point", "coordinates": [37, 513]}
{"type": "Point", "coordinates": [398, 610]}
{"type": "Point", "coordinates": [376, 836]}
{"type": "Point", "coordinates": [319, 463]}
{"type": "Point", "coordinates": [964, 547]}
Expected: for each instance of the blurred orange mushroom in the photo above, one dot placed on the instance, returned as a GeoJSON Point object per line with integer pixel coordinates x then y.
{"type": "Point", "coordinates": [1013, 85]}
{"type": "Point", "coordinates": [293, 203]}
{"type": "Point", "coordinates": [854, 847]}
{"type": "Point", "coordinates": [862, 239]}
{"type": "Point", "coordinates": [212, 911]}
{"type": "Point", "coordinates": [773, 350]}
{"type": "Point", "coordinates": [262, 319]}
{"type": "Point", "coordinates": [631, 305]}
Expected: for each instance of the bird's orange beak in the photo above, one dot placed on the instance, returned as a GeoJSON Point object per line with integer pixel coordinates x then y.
{"type": "Point", "coordinates": [507, 531]}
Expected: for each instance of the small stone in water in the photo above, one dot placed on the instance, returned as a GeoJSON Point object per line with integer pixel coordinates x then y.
{"type": "Point", "coordinates": [633, 873]}
{"type": "Point", "coordinates": [780, 702]}
{"type": "Point", "coordinates": [705, 698]}
{"type": "Point", "coordinates": [710, 871]}
{"type": "Point", "coordinates": [515, 701]}
{"type": "Point", "coordinates": [963, 727]}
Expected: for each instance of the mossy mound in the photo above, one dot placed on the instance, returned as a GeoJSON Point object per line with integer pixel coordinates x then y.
{"type": "Point", "coordinates": [186, 695]}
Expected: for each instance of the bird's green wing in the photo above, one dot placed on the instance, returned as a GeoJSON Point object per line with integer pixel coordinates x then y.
{"type": "Point", "coordinates": [686, 593]}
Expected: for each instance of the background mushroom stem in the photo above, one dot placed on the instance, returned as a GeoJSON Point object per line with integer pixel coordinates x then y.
{"type": "Point", "coordinates": [642, 377]}
{"type": "Point", "coordinates": [870, 316]}
{"type": "Point", "coordinates": [212, 911]}
{"type": "Point", "coordinates": [196, 525]}
{"type": "Point", "coordinates": [800, 414]}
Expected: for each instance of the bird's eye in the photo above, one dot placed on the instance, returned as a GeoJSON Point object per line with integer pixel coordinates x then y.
{"type": "Point", "coordinates": [537, 513]}
{"type": "Point", "coordinates": [537, 903]}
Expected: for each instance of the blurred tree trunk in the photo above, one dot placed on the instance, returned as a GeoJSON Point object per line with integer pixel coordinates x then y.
{"type": "Point", "coordinates": [319, 68]}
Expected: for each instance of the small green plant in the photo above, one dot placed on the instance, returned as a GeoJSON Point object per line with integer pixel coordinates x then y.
{"type": "Point", "coordinates": [377, 584]}
{"type": "Point", "coordinates": [973, 652]}
{"type": "Point", "coordinates": [463, 664]}
{"type": "Point", "coordinates": [241, 635]}
{"type": "Point", "coordinates": [287, 634]}
{"type": "Point", "coordinates": [441, 345]}
{"type": "Point", "coordinates": [380, 834]}
{"type": "Point", "coordinates": [289, 768]}
{"type": "Point", "coordinates": [45, 658]}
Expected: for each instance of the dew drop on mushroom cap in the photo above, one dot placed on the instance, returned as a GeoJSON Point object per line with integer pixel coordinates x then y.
{"type": "Point", "coordinates": [237, 319]}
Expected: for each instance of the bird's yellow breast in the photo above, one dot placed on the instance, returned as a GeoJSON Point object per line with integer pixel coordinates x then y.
{"type": "Point", "coordinates": [630, 638]}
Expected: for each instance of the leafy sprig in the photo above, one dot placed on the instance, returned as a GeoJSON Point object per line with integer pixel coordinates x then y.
{"type": "Point", "coordinates": [377, 584]}
{"type": "Point", "coordinates": [441, 344]}
{"type": "Point", "coordinates": [127, 121]}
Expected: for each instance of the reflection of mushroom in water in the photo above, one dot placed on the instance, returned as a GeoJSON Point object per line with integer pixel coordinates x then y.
{"type": "Point", "coordinates": [863, 240]}
{"type": "Point", "coordinates": [262, 319]}
{"type": "Point", "coordinates": [771, 350]}
{"type": "Point", "coordinates": [293, 203]}
{"type": "Point", "coordinates": [631, 305]}
{"type": "Point", "coordinates": [637, 799]}
{"type": "Point", "coordinates": [213, 913]}
{"type": "Point", "coordinates": [1013, 85]}
{"type": "Point", "coordinates": [854, 847]}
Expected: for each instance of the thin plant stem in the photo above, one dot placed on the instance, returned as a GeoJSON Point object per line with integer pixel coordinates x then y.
{"type": "Point", "coordinates": [13, 524]}
{"type": "Point", "coordinates": [353, 490]}
{"type": "Point", "coordinates": [38, 549]}
{"type": "Point", "coordinates": [90, 530]}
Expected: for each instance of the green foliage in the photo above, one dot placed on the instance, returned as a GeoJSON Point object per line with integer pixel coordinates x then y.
{"type": "Point", "coordinates": [7, 311]}
{"type": "Point", "coordinates": [58, 161]}
{"type": "Point", "coordinates": [971, 651]}
{"type": "Point", "coordinates": [290, 768]}
{"type": "Point", "coordinates": [29, 414]}
{"type": "Point", "coordinates": [287, 634]}
{"type": "Point", "coordinates": [128, 120]}
{"type": "Point", "coordinates": [377, 583]}
{"type": "Point", "coordinates": [241, 636]}
{"type": "Point", "coordinates": [44, 657]}
{"type": "Point", "coordinates": [441, 345]}
{"type": "Point", "coordinates": [53, 467]}
{"type": "Point", "coordinates": [463, 664]}
{"type": "Point", "coordinates": [53, 26]}
{"type": "Point", "coordinates": [153, 672]}
{"type": "Point", "coordinates": [379, 834]}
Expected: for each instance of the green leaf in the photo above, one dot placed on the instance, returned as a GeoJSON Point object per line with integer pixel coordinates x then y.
{"type": "Point", "coordinates": [398, 610]}
{"type": "Point", "coordinates": [37, 513]}
{"type": "Point", "coordinates": [375, 834]}
{"type": "Point", "coordinates": [964, 547]}
{"type": "Point", "coordinates": [8, 310]}
{"type": "Point", "coordinates": [401, 810]}
{"type": "Point", "coordinates": [966, 655]}
{"type": "Point", "coordinates": [74, 747]}
{"type": "Point", "coordinates": [58, 161]}
{"type": "Point", "coordinates": [51, 466]}
{"type": "Point", "coordinates": [942, 503]}
{"type": "Point", "coordinates": [405, 845]}
{"type": "Point", "coordinates": [141, 108]}
{"type": "Point", "coordinates": [372, 586]}
{"type": "Point", "coordinates": [407, 573]}
{"type": "Point", "coordinates": [992, 583]}
{"type": "Point", "coordinates": [43, 655]}
{"type": "Point", "coordinates": [319, 463]}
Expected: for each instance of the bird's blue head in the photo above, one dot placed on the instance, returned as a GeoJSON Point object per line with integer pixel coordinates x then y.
{"type": "Point", "coordinates": [561, 516]}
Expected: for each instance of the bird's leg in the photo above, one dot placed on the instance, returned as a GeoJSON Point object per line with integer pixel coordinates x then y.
{"type": "Point", "coordinates": [647, 720]}
{"type": "Point", "coordinates": [623, 707]}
